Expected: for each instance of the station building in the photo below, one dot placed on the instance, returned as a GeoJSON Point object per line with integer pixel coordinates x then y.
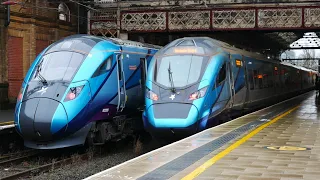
{"type": "Point", "coordinates": [33, 25]}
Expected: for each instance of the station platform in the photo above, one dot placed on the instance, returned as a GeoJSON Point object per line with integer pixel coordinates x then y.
{"type": "Point", "coordinates": [6, 119]}
{"type": "Point", "coordinates": [278, 142]}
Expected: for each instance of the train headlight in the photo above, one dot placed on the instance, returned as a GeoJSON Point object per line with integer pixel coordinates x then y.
{"type": "Point", "coordinates": [73, 93]}
{"type": "Point", "coordinates": [151, 95]}
{"type": "Point", "coordinates": [20, 95]}
{"type": "Point", "coordinates": [198, 94]}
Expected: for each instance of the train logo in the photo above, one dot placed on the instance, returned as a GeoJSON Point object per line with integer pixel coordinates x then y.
{"type": "Point", "coordinates": [43, 90]}
{"type": "Point", "coordinates": [172, 96]}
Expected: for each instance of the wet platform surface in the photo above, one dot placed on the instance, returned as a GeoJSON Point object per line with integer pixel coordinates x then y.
{"type": "Point", "coordinates": [6, 117]}
{"type": "Point", "coordinates": [279, 142]}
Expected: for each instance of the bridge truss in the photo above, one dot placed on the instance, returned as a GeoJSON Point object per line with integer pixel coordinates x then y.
{"type": "Point", "coordinates": [107, 21]}
{"type": "Point", "coordinates": [282, 23]}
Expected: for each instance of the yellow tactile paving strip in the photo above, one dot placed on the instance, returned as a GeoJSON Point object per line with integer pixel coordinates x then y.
{"type": "Point", "coordinates": [6, 123]}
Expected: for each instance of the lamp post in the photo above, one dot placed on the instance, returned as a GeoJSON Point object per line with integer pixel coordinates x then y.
{"type": "Point", "coordinates": [8, 3]}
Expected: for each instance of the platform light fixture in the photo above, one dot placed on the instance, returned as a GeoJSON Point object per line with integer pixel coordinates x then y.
{"type": "Point", "coordinates": [9, 3]}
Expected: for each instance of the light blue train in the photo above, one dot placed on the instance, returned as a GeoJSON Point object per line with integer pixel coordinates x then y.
{"type": "Point", "coordinates": [193, 80]}
{"type": "Point", "coordinates": [78, 89]}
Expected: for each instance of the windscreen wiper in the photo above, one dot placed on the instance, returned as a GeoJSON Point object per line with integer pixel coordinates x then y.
{"type": "Point", "coordinates": [42, 79]}
{"type": "Point", "coordinates": [171, 79]}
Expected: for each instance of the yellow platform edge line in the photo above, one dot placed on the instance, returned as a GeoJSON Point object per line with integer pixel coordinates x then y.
{"type": "Point", "coordinates": [7, 123]}
{"type": "Point", "coordinates": [223, 153]}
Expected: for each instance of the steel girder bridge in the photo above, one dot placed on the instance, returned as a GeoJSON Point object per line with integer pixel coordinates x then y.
{"type": "Point", "coordinates": [265, 27]}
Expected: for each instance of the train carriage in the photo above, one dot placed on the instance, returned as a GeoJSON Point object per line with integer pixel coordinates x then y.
{"type": "Point", "coordinates": [193, 80]}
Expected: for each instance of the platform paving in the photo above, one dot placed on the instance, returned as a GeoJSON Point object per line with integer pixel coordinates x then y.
{"type": "Point", "coordinates": [252, 160]}
{"type": "Point", "coordinates": [6, 116]}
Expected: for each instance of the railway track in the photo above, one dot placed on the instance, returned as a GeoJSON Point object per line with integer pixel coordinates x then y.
{"type": "Point", "coordinates": [17, 157]}
{"type": "Point", "coordinates": [45, 167]}
{"type": "Point", "coordinates": [8, 155]}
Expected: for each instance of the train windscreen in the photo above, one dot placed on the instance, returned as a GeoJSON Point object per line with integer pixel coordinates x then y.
{"type": "Point", "coordinates": [183, 70]}
{"type": "Point", "coordinates": [58, 66]}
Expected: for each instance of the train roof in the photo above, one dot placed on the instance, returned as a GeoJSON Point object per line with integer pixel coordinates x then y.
{"type": "Point", "coordinates": [78, 43]}
{"type": "Point", "coordinates": [119, 41]}
{"type": "Point", "coordinates": [203, 46]}
{"type": "Point", "coordinates": [133, 43]}
{"type": "Point", "coordinates": [84, 43]}
{"type": "Point", "coordinates": [298, 67]}
{"type": "Point", "coordinates": [227, 47]}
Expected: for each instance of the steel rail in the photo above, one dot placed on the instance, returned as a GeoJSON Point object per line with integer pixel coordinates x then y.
{"type": "Point", "coordinates": [44, 168]}
{"type": "Point", "coordinates": [9, 155]}
{"type": "Point", "coordinates": [17, 159]}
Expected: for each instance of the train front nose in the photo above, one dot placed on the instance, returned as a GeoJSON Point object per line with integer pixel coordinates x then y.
{"type": "Point", "coordinates": [41, 118]}
{"type": "Point", "coordinates": [174, 117]}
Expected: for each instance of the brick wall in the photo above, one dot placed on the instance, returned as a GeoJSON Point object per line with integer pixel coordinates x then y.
{"type": "Point", "coordinates": [40, 46]}
{"type": "Point", "coordinates": [15, 65]}
{"type": "Point", "coordinates": [29, 32]}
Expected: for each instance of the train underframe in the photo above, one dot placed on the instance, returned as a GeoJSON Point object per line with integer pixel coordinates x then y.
{"type": "Point", "coordinates": [121, 126]}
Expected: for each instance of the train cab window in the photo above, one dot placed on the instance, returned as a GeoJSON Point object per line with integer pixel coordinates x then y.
{"type": "Point", "coordinates": [183, 70]}
{"type": "Point", "coordinates": [75, 62]}
{"type": "Point", "coordinates": [58, 66]}
{"type": "Point", "coordinates": [222, 75]}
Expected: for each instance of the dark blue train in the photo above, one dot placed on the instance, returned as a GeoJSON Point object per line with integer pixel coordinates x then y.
{"type": "Point", "coordinates": [78, 89]}
{"type": "Point", "coordinates": [193, 80]}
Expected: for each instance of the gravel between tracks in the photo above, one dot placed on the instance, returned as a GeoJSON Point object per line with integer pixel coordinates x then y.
{"type": "Point", "coordinates": [116, 154]}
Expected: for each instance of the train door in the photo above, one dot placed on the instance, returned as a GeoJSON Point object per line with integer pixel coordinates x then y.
{"type": "Point", "coordinates": [238, 77]}
{"type": "Point", "coordinates": [143, 67]}
{"type": "Point", "coordinates": [248, 80]}
{"type": "Point", "coordinates": [231, 83]}
{"type": "Point", "coordinates": [121, 84]}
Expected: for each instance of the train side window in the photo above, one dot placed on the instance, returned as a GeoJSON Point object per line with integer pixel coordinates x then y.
{"type": "Point", "coordinates": [251, 81]}
{"type": "Point", "coordinates": [255, 76]}
{"type": "Point", "coordinates": [106, 66]}
{"type": "Point", "coordinates": [119, 69]}
{"type": "Point", "coordinates": [222, 75]}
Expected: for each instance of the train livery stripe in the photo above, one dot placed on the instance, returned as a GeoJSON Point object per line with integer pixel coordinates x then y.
{"type": "Point", "coordinates": [242, 84]}
{"type": "Point", "coordinates": [222, 86]}
{"type": "Point", "coordinates": [104, 81]}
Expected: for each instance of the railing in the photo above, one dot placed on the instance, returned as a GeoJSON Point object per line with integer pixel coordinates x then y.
{"type": "Point", "coordinates": [208, 19]}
